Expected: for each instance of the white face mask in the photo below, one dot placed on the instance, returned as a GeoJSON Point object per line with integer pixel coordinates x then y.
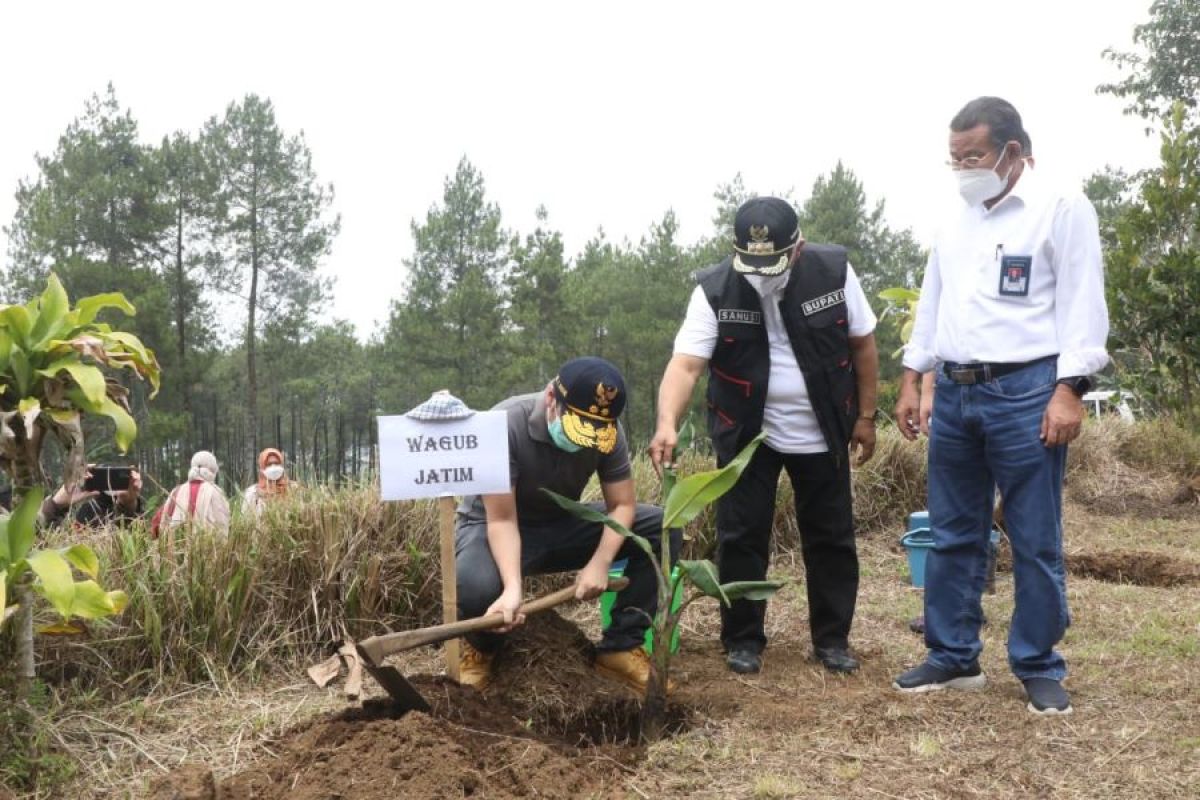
{"type": "Point", "coordinates": [769, 284]}
{"type": "Point", "coordinates": [979, 185]}
{"type": "Point", "coordinates": [273, 472]}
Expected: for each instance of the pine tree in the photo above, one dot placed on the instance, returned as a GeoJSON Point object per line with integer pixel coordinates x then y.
{"type": "Point", "coordinates": [271, 221]}
{"type": "Point", "coordinates": [447, 332]}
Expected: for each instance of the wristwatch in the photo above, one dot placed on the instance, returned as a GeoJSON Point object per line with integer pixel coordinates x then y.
{"type": "Point", "coordinates": [873, 417]}
{"type": "Point", "coordinates": [1079, 384]}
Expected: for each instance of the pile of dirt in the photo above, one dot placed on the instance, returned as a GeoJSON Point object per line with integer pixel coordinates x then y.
{"type": "Point", "coordinates": [547, 727]}
{"type": "Point", "coordinates": [1139, 567]}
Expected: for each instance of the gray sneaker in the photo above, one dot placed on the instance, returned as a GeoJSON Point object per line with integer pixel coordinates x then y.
{"type": "Point", "coordinates": [928, 678]}
{"type": "Point", "coordinates": [1047, 697]}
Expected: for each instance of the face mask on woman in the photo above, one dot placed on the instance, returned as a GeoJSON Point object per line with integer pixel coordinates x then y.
{"type": "Point", "coordinates": [273, 472]}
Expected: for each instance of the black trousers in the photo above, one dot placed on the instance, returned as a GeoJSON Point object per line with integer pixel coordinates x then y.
{"type": "Point", "coordinates": [826, 521]}
{"type": "Point", "coordinates": [565, 544]}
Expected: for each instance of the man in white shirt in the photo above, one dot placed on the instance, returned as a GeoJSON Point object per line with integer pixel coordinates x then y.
{"type": "Point", "coordinates": [787, 337]}
{"type": "Point", "coordinates": [1013, 321]}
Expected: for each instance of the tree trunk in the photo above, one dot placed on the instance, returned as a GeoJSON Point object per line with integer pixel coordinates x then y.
{"type": "Point", "coordinates": [252, 308]}
{"type": "Point", "coordinates": [1185, 380]}
{"type": "Point", "coordinates": [181, 318]}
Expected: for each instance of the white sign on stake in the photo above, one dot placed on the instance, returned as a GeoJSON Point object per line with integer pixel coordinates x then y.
{"type": "Point", "coordinates": [443, 458]}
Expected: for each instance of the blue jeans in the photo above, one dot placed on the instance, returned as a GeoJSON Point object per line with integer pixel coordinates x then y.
{"type": "Point", "coordinates": [985, 436]}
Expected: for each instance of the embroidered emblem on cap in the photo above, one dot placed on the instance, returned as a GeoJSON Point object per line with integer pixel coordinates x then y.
{"type": "Point", "coordinates": [760, 242]}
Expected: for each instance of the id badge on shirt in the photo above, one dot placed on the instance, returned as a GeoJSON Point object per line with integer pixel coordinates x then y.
{"type": "Point", "coordinates": [1014, 275]}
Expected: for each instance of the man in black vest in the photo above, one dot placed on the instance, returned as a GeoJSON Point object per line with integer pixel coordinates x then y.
{"type": "Point", "coordinates": [786, 334]}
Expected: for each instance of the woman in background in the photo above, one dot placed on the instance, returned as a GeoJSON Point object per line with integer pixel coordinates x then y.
{"type": "Point", "coordinates": [272, 482]}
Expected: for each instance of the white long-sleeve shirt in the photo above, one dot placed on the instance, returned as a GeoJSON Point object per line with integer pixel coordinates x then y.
{"type": "Point", "coordinates": [1021, 281]}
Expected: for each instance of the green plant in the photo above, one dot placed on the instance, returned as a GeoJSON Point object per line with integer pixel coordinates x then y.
{"type": "Point", "coordinates": [50, 375]}
{"type": "Point", "coordinates": [902, 304]}
{"type": "Point", "coordinates": [51, 356]}
{"type": "Point", "coordinates": [50, 572]}
{"type": "Point", "coordinates": [686, 498]}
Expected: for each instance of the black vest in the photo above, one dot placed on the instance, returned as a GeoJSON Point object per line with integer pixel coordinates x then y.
{"type": "Point", "coordinates": [814, 313]}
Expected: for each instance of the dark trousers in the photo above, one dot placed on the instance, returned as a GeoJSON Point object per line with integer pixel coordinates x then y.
{"type": "Point", "coordinates": [559, 546]}
{"type": "Point", "coordinates": [823, 514]}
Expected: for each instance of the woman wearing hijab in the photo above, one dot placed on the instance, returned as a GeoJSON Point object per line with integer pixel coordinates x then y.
{"type": "Point", "coordinates": [272, 482]}
{"type": "Point", "coordinates": [200, 501]}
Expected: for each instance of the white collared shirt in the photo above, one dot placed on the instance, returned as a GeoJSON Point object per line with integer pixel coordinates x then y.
{"type": "Point", "coordinates": [788, 418]}
{"type": "Point", "coordinates": [1021, 281]}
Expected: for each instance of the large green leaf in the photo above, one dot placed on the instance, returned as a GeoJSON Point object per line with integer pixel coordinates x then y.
{"type": "Point", "coordinates": [899, 294]}
{"type": "Point", "coordinates": [18, 322]}
{"type": "Point", "coordinates": [92, 602]}
{"type": "Point", "coordinates": [3, 594]}
{"type": "Point", "coordinates": [21, 370]}
{"type": "Point", "coordinates": [52, 317]}
{"type": "Point", "coordinates": [694, 493]}
{"type": "Point", "coordinates": [751, 590]}
{"type": "Point", "coordinates": [22, 525]}
{"type": "Point", "coordinates": [83, 558]}
{"type": "Point", "coordinates": [4, 559]}
{"type": "Point", "coordinates": [89, 378]}
{"type": "Point", "coordinates": [6, 346]}
{"type": "Point", "coordinates": [703, 574]}
{"type": "Point", "coordinates": [592, 515]}
{"type": "Point", "coordinates": [55, 580]}
{"type": "Point", "coordinates": [126, 430]}
{"type": "Point", "coordinates": [89, 307]}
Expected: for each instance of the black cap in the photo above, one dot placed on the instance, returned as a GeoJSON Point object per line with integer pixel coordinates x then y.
{"type": "Point", "coordinates": [593, 393]}
{"type": "Point", "coordinates": [765, 230]}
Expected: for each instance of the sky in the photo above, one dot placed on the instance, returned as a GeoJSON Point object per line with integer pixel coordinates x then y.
{"type": "Point", "coordinates": [608, 114]}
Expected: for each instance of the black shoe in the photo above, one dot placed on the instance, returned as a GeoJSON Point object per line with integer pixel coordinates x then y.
{"type": "Point", "coordinates": [836, 659]}
{"type": "Point", "coordinates": [1047, 696]}
{"type": "Point", "coordinates": [917, 624]}
{"type": "Point", "coordinates": [744, 660]}
{"type": "Point", "coordinates": [928, 678]}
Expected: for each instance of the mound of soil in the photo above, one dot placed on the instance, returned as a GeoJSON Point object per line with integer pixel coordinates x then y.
{"type": "Point", "coordinates": [547, 727]}
{"type": "Point", "coordinates": [1135, 566]}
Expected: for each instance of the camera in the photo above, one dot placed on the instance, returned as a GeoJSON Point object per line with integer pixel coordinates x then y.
{"type": "Point", "coordinates": [108, 478]}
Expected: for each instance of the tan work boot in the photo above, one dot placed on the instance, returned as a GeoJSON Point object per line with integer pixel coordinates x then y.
{"type": "Point", "coordinates": [630, 667]}
{"type": "Point", "coordinates": [474, 666]}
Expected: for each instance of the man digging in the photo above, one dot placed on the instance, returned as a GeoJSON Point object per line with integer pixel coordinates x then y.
{"type": "Point", "coordinates": [558, 439]}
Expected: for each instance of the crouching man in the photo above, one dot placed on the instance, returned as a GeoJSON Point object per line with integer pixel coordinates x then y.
{"type": "Point", "coordinates": [558, 439]}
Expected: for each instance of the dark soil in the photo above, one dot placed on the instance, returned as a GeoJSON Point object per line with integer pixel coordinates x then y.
{"type": "Point", "coordinates": [547, 727]}
{"type": "Point", "coordinates": [1139, 504]}
{"type": "Point", "coordinates": [1135, 566]}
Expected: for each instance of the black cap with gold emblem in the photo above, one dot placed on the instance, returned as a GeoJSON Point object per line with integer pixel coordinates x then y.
{"type": "Point", "coordinates": [592, 395]}
{"type": "Point", "coordinates": [765, 230]}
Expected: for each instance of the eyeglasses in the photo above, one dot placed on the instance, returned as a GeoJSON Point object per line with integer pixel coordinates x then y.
{"type": "Point", "coordinates": [970, 162]}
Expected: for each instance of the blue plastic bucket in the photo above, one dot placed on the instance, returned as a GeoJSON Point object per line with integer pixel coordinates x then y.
{"type": "Point", "coordinates": [917, 544]}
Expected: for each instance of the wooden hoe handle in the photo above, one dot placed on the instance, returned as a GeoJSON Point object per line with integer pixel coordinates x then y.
{"type": "Point", "coordinates": [377, 648]}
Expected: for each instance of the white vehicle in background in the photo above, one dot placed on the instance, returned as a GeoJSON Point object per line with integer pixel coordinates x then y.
{"type": "Point", "coordinates": [1101, 403]}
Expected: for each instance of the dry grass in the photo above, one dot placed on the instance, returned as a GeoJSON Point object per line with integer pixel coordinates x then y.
{"type": "Point", "coordinates": [274, 593]}
{"type": "Point", "coordinates": [205, 664]}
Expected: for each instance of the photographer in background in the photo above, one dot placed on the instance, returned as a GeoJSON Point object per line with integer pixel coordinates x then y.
{"type": "Point", "coordinates": [93, 507]}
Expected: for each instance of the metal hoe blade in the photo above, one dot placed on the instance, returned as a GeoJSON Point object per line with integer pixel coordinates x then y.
{"type": "Point", "coordinates": [405, 696]}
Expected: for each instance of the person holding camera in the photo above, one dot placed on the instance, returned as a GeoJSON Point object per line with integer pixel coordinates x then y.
{"type": "Point", "coordinates": [108, 495]}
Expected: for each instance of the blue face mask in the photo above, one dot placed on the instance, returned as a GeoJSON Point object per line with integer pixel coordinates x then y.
{"type": "Point", "coordinates": [559, 437]}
